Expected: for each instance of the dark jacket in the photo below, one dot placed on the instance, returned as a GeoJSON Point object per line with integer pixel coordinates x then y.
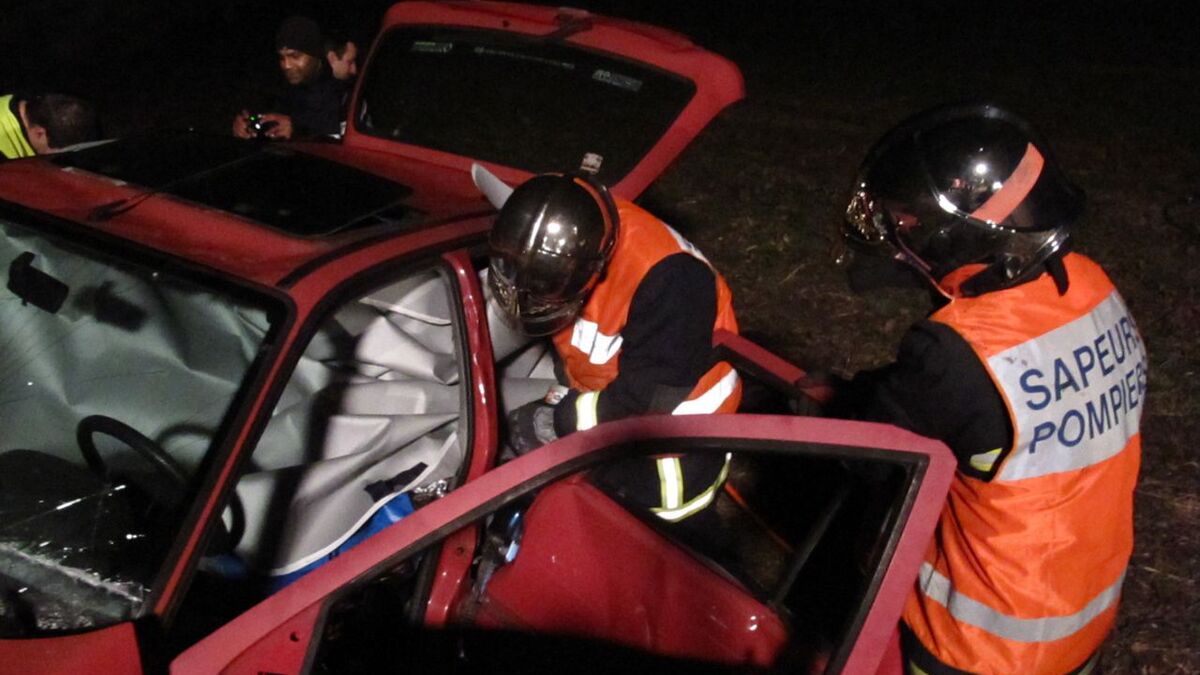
{"type": "Point", "coordinates": [936, 387]}
{"type": "Point", "coordinates": [317, 108]}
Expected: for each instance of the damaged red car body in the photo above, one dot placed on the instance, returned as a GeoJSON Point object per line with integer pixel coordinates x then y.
{"type": "Point", "coordinates": [252, 395]}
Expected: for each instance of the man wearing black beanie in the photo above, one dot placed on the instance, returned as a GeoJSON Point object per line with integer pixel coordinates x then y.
{"type": "Point", "coordinates": [312, 104]}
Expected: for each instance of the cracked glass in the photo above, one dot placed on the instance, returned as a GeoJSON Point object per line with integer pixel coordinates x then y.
{"type": "Point", "coordinates": [116, 380]}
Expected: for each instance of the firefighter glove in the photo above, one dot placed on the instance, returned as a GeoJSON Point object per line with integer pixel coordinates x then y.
{"type": "Point", "coordinates": [531, 426]}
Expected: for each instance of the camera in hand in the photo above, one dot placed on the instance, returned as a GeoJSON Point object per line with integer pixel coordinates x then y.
{"type": "Point", "coordinates": [258, 126]}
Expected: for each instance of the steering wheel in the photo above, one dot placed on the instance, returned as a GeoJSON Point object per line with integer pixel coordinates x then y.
{"type": "Point", "coordinates": [149, 450]}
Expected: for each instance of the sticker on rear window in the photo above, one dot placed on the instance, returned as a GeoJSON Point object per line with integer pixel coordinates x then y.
{"type": "Point", "coordinates": [429, 47]}
{"type": "Point", "coordinates": [490, 51]}
{"type": "Point", "coordinates": [616, 80]}
{"type": "Point", "coordinates": [591, 163]}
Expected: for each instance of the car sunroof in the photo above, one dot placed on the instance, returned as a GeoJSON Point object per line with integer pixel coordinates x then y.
{"type": "Point", "coordinates": [300, 194]}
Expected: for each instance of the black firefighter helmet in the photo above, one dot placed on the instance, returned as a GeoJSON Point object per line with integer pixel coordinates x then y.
{"type": "Point", "coordinates": [549, 248]}
{"type": "Point", "coordinates": [963, 184]}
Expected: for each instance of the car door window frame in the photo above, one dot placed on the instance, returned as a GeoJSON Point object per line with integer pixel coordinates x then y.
{"type": "Point", "coordinates": [283, 362]}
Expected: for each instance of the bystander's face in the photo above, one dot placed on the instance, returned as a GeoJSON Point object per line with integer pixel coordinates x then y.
{"type": "Point", "coordinates": [298, 67]}
{"type": "Point", "coordinates": [344, 67]}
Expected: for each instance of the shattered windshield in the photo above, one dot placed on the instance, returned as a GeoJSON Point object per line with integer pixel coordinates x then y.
{"type": "Point", "coordinates": [115, 382]}
{"type": "Point", "coordinates": [531, 103]}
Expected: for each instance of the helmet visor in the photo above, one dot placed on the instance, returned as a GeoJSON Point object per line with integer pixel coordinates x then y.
{"type": "Point", "coordinates": [873, 228]}
{"type": "Point", "coordinates": [864, 223]}
{"type": "Point", "coordinates": [532, 311]}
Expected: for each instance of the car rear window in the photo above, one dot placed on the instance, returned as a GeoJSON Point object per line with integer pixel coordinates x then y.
{"type": "Point", "coordinates": [527, 102]}
{"type": "Point", "coordinates": [278, 186]}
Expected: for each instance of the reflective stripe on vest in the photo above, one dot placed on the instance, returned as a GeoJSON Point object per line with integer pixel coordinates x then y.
{"type": "Point", "coordinates": [688, 246]}
{"type": "Point", "coordinates": [1046, 629]}
{"type": "Point", "coordinates": [587, 338]}
{"type": "Point", "coordinates": [587, 403]}
{"type": "Point", "coordinates": [711, 400]}
{"type": "Point", "coordinates": [1074, 391]}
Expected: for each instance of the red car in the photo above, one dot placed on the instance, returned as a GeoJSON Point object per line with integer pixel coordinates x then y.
{"type": "Point", "coordinates": [251, 397]}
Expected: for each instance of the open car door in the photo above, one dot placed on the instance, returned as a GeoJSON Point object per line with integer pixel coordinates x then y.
{"type": "Point", "coordinates": [528, 89]}
{"type": "Point", "coordinates": [821, 531]}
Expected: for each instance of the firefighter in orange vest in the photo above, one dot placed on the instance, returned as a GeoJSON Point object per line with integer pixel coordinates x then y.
{"type": "Point", "coordinates": [631, 307]}
{"type": "Point", "coordinates": [1032, 371]}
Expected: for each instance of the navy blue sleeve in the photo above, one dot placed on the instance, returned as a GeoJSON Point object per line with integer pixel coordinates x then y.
{"type": "Point", "coordinates": [666, 343]}
{"type": "Point", "coordinates": [938, 388]}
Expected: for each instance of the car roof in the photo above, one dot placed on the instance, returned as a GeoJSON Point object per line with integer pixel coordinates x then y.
{"type": "Point", "coordinates": [259, 211]}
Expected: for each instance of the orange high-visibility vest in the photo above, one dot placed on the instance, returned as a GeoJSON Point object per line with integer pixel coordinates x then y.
{"type": "Point", "coordinates": [591, 348]}
{"type": "Point", "coordinates": [1024, 574]}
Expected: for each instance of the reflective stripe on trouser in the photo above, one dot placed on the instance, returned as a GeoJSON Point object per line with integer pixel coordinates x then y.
{"type": "Point", "coordinates": [938, 588]}
{"type": "Point", "coordinates": [670, 469]}
{"type": "Point", "coordinates": [670, 475]}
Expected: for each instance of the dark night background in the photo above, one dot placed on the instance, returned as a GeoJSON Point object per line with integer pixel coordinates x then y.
{"type": "Point", "coordinates": [1115, 87]}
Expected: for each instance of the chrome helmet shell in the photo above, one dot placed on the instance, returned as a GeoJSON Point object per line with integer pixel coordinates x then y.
{"type": "Point", "coordinates": [962, 185]}
{"type": "Point", "coordinates": [548, 250]}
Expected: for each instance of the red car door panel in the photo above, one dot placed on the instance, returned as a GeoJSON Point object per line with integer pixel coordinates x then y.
{"type": "Point", "coordinates": [109, 651]}
{"type": "Point", "coordinates": [645, 592]}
